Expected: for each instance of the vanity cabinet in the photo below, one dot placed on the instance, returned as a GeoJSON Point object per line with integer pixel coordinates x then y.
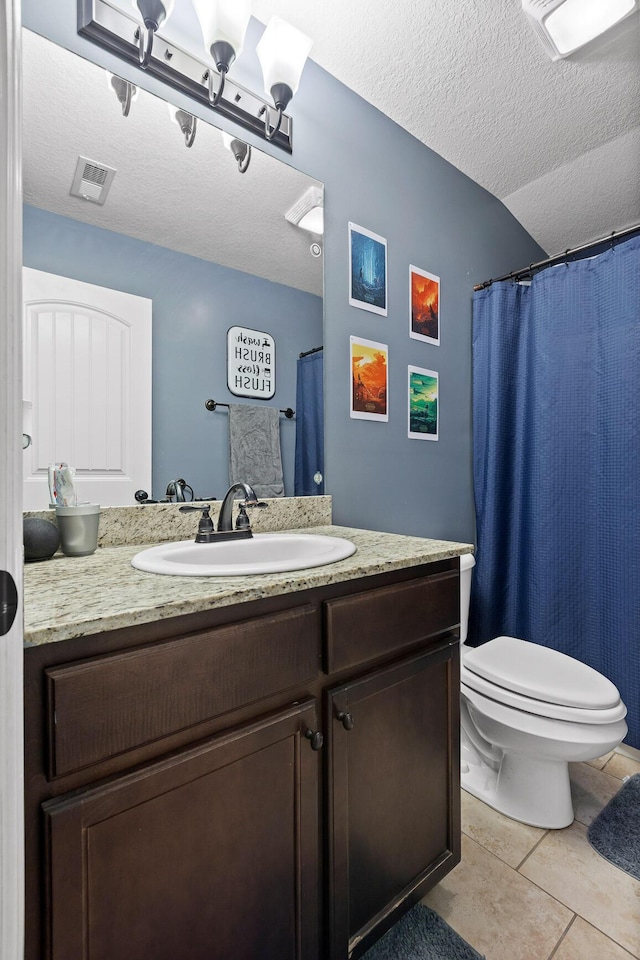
{"type": "Point", "coordinates": [275, 779]}
{"type": "Point", "coordinates": [210, 853]}
{"type": "Point", "coordinates": [393, 829]}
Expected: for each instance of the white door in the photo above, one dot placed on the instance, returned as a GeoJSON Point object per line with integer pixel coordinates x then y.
{"type": "Point", "coordinates": [11, 749]}
{"type": "Point", "coordinates": [87, 372]}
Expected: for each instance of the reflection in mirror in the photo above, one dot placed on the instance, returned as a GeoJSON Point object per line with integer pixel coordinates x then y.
{"type": "Point", "coordinates": [184, 236]}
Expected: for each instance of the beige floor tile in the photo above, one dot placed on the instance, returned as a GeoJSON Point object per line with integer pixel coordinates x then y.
{"type": "Point", "coordinates": [591, 790]}
{"type": "Point", "coordinates": [599, 762]}
{"type": "Point", "coordinates": [566, 866]}
{"type": "Point", "coordinates": [619, 766]}
{"type": "Point", "coordinates": [496, 910]}
{"type": "Point", "coordinates": [508, 839]}
{"type": "Point", "coordinates": [584, 942]}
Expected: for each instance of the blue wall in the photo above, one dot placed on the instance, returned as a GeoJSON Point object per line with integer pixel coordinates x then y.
{"type": "Point", "coordinates": [432, 216]}
{"type": "Point", "coordinates": [194, 303]}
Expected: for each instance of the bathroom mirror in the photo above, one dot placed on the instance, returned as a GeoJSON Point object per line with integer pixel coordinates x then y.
{"type": "Point", "coordinates": [181, 226]}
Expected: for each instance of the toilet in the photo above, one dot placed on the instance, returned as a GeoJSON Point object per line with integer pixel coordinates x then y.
{"type": "Point", "coordinates": [526, 712]}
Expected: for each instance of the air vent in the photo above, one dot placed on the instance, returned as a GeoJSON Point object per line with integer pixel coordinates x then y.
{"type": "Point", "coordinates": [92, 180]}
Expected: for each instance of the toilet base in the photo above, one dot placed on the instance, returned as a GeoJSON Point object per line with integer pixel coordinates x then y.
{"type": "Point", "coordinates": [528, 789]}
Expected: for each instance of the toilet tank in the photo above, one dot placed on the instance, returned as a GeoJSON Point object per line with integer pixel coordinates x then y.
{"type": "Point", "coordinates": [467, 563]}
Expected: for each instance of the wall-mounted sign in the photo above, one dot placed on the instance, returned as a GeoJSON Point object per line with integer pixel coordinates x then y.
{"type": "Point", "coordinates": [251, 363]}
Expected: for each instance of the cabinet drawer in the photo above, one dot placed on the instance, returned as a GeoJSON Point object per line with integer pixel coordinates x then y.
{"type": "Point", "coordinates": [365, 626]}
{"type": "Point", "coordinates": [102, 707]}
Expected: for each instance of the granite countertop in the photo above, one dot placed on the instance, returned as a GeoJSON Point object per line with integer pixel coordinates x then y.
{"type": "Point", "coordinates": [77, 596]}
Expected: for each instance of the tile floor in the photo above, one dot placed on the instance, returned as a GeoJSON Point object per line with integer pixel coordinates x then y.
{"type": "Point", "coordinates": [521, 893]}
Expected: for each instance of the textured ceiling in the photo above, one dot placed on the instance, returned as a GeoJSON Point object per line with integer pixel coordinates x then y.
{"type": "Point", "coordinates": [557, 142]}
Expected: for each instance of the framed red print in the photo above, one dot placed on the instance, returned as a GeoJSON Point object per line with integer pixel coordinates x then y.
{"type": "Point", "coordinates": [424, 320]}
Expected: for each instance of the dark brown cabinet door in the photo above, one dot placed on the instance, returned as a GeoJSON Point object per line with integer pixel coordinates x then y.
{"type": "Point", "coordinates": [210, 854]}
{"type": "Point", "coordinates": [394, 794]}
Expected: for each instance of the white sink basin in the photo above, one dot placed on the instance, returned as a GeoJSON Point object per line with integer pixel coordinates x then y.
{"type": "Point", "coordinates": [263, 553]}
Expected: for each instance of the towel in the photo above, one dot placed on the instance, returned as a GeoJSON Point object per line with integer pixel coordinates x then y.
{"type": "Point", "coordinates": [254, 448]}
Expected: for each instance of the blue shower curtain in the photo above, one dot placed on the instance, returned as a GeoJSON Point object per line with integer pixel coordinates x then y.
{"type": "Point", "coordinates": [556, 412]}
{"type": "Point", "coordinates": [309, 458]}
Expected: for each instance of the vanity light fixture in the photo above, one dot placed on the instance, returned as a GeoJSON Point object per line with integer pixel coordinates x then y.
{"type": "Point", "coordinates": [186, 122]}
{"type": "Point", "coordinates": [125, 91]}
{"type": "Point", "coordinates": [564, 26]}
{"type": "Point", "coordinates": [308, 212]}
{"type": "Point", "coordinates": [282, 50]}
{"type": "Point", "coordinates": [154, 13]}
{"type": "Point", "coordinates": [240, 150]}
{"type": "Point", "coordinates": [224, 26]}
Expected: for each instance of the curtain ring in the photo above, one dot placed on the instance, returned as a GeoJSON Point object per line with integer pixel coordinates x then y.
{"type": "Point", "coordinates": [613, 233]}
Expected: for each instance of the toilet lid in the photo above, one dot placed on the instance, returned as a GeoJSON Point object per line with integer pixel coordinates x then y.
{"type": "Point", "coordinates": [541, 674]}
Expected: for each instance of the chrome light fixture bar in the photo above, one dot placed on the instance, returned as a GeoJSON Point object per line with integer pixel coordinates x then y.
{"type": "Point", "coordinates": [118, 32]}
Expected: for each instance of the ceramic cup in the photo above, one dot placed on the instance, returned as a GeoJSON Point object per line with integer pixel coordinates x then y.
{"type": "Point", "coordinates": [78, 527]}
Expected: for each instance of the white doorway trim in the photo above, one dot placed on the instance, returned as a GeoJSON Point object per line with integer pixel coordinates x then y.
{"type": "Point", "coordinates": [11, 723]}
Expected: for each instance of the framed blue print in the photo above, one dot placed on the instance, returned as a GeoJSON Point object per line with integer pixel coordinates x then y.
{"type": "Point", "coordinates": [367, 270]}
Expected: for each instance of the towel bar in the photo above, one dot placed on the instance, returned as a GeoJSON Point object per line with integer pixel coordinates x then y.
{"type": "Point", "coordinates": [212, 404]}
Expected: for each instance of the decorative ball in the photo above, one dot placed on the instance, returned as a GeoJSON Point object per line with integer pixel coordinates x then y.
{"type": "Point", "coordinates": [40, 538]}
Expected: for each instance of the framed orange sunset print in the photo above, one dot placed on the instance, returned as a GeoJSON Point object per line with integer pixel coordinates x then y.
{"type": "Point", "coordinates": [369, 379]}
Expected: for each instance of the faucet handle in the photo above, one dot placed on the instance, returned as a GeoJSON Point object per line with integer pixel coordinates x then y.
{"type": "Point", "coordinates": [242, 520]}
{"type": "Point", "coordinates": [205, 526]}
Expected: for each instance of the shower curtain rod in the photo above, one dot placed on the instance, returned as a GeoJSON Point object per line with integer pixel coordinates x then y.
{"type": "Point", "coordinates": [307, 353]}
{"type": "Point", "coordinates": [614, 237]}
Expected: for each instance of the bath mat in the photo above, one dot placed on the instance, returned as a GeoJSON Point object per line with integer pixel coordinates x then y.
{"type": "Point", "coordinates": [421, 935]}
{"type": "Point", "coordinates": [615, 832]}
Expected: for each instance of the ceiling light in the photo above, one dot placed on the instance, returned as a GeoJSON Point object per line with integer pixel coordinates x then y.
{"type": "Point", "coordinates": [154, 13]}
{"type": "Point", "coordinates": [566, 25]}
{"type": "Point", "coordinates": [224, 25]}
{"type": "Point", "coordinates": [125, 91]}
{"type": "Point", "coordinates": [240, 150]}
{"type": "Point", "coordinates": [282, 51]}
{"type": "Point", "coordinates": [186, 122]}
{"type": "Point", "coordinates": [308, 212]}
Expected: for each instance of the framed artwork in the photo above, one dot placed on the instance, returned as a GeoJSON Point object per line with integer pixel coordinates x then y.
{"type": "Point", "coordinates": [251, 363]}
{"type": "Point", "coordinates": [423, 396]}
{"type": "Point", "coordinates": [369, 379]}
{"type": "Point", "coordinates": [424, 319]}
{"type": "Point", "coordinates": [367, 270]}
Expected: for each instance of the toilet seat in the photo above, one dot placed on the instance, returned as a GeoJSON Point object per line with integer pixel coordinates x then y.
{"type": "Point", "coordinates": [539, 674]}
{"type": "Point", "coordinates": [538, 708]}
